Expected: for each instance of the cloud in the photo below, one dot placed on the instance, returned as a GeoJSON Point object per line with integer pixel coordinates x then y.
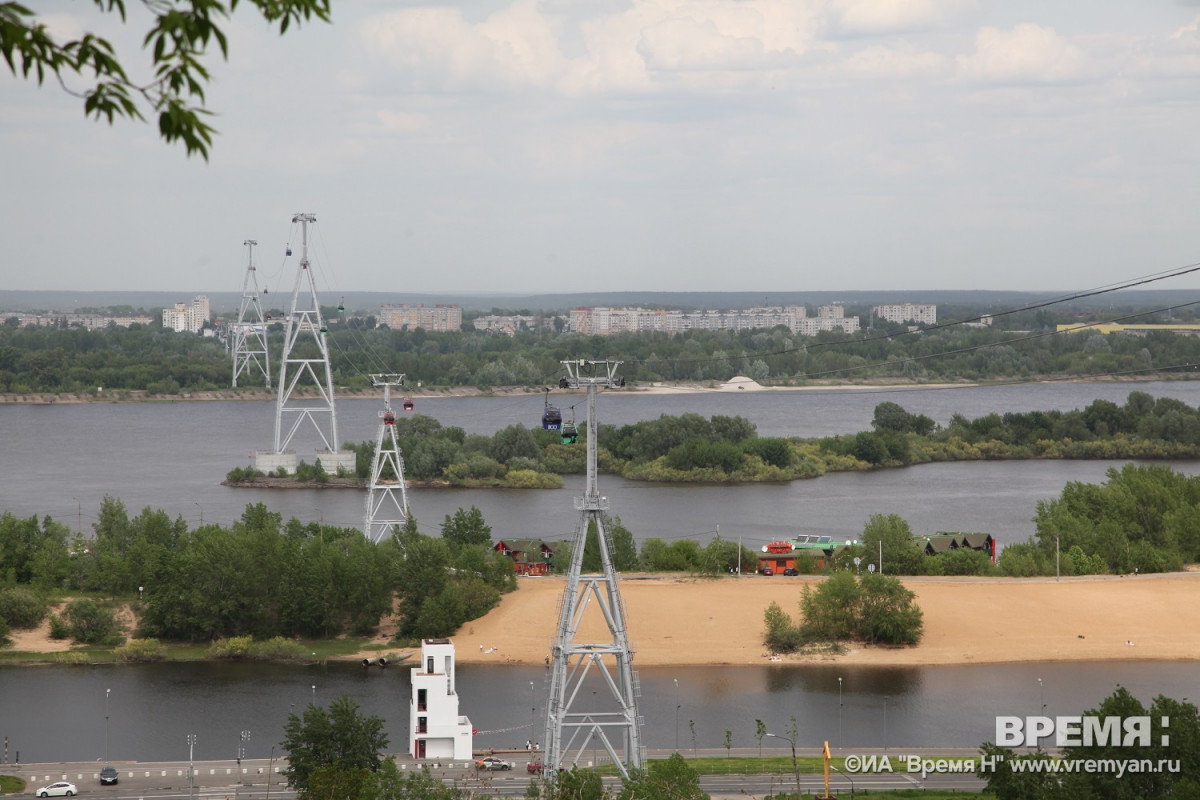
{"type": "Point", "coordinates": [875, 17]}
{"type": "Point", "coordinates": [902, 61]}
{"type": "Point", "coordinates": [1028, 54]}
{"type": "Point", "coordinates": [649, 45]}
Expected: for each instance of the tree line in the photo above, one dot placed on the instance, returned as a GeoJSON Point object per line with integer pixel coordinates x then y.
{"type": "Point", "coordinates": [160, 361]}
{"type": "Point", "coordinates": [259, 577]}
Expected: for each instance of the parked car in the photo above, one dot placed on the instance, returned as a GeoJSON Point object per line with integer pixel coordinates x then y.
{"type": "Point", "coordinates": [766, 571]}
{"type": "Point", "coordinates": [108, 776]}
{"type": "Point", "coordinates": [791, 571]}
{"type": "Point", "coordinates": [491, 762]}
{"type": "Point", "coordinates": [535, 767]}
{"type": "Point", "coordinates": [60, 789]}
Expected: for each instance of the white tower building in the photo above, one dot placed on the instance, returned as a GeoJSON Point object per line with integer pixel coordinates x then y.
{"type": "Point", "coordinates": [435, 728]}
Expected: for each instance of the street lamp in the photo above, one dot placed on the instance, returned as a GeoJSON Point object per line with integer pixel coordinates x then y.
{"type": "Point", "coordinates": [191, 766]}
{"type": "Point", "coordinates": [197, 505]}
{"type": "Point", "coordinates": [885, 731]}
{"type": "Point", "coordinates": [676, 715]}
{"type": "Point", "coordinates": [846, 775]}
{"type": "Point", "coordinates": [314, 694]}
{"type": "Point", "coordinates": [795, 764]}
{"type": "Point", "coordinates": [532, 714]}
{"type": "Point", "coordinates": [1057, 572]}
{"type": "Point", "coordinates": [839, 710]}
{"type": "Point", "coordinates": [107, 692]}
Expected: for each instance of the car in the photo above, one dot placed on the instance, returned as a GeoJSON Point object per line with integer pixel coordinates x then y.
{"type": "Point", "coordinates": [791, 571]}
{"type": "Point", "coordinates": [535, 767]}
{"type": "Point", "coordinates": [491, 762]}
{"type": "Point", "coordinates": [108, 776]}
{"type": "Point", "coordinates": [766, 571]}
{"type": "Point", "coordinates": [60, 789]}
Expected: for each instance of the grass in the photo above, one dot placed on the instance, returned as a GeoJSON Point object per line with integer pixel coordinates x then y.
{"type": "Point", "coordinates": [320, 650]}
{"type": "Point", "coordinates": [11, 784]}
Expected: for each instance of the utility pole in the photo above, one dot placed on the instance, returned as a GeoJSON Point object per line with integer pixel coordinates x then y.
{"type": "Point", "coordinates": [387, 499]}
{"type": "Point", "coordinates": [249, 333]}
{"type": "Point", "coordinates": [582, 671]}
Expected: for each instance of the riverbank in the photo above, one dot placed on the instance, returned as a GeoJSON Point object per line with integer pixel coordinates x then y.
{"type": "Point", "coordinates": [689, 621]}
{"type": "Point", "coordinates": [737, 384]}
{"type": "Point", "coordinates": [681, 620]}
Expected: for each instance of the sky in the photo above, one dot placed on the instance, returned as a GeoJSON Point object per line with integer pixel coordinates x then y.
{"type": "Point", "coordinates": [544, 146]}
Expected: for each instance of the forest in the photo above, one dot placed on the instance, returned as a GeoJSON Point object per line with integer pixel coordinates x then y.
{"type": "Point", "coordinates": [146, 359]}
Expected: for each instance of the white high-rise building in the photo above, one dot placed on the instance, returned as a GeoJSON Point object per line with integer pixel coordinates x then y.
{"type": "Point", "coordinates": [907, 312]}
{"type": "Point", "coordinates": [435, 728]}
{"type": "Point", "coordinates": [185, 317]}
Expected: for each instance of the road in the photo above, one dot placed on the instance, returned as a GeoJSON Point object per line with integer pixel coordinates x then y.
{"type": "Point", "coordinates": [260, 779]}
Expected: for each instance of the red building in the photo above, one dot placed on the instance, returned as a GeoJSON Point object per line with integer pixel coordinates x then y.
{"type": "Point", "coordinates": [530, 556]}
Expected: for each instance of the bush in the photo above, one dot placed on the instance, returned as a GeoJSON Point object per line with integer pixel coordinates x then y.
{"type": "Point", "coordinates": [244, 648]}
{"type": "Point", "coordinates": [234, 648]}
{"type": "Point", "coordinates": [90, 623]}
{"type": "Point", "coordinates": [58, 628]}
{"type": "Point", "coordinates": [241, 474]}
{"type": "Point", "coordinates": [875, 609]}
{"type": "Point", "coordinates": [21, 608]}
{"type": "Point", "coordinates": [140, 650]}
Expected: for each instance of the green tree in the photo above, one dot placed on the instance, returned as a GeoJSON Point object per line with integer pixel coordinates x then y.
{"type": "Point", "coordinates": [667, 779]}
{"type": "Point", "coordinates": [901, 553]}
{"type": "Point", "coordinates": [339, 738]}
{"type": "Point", "coordinates": [465, 528]}
{"type": "Point", "coordinates": [89, 622]}
{"type": "Point", "coordinates": [760, 730]}
{"type": "Point", "coordinates": [179, 39]}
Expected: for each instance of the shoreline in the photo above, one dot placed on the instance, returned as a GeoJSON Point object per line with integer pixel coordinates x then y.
{"type": "Point", "coordinates": [685, 621]}
{"type": "Point", "coordinates": [736, 384]}
{"type": "Point", "coordinates": [681, 620]}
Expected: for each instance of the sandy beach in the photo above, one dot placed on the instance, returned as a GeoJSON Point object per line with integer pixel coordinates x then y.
{"type": "Point", "coordinates": [695, 621]}
{"type": "Point", "coordinates": [679, 619]}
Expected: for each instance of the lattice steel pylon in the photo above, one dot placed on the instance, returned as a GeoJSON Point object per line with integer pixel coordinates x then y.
{"type": "Point", "coordinates": [305, 320]}
{"type": "Point", "coordinates": [249, 333]}
{"type": "Point", "coordinates": [598, 672]}
{"type": "Point", "coordinates": [387, 499]}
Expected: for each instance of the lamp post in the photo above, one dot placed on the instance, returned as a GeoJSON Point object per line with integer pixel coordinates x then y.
{"type": "Point", "coordinates": [676, 715]}
{"type": "Point", "coordinates": [795, 764]}
{"type": "Point", "coordinates": [314, 694]}
{"type": "Point", "coordinates": [191, 766]}
{"type": "Point", "coordinates": [846, 775]}
{"type": "Point", "coordinates": [532, 714]}
{"type": "Point", "coordinates": [885, 729]}
{"type": "Point", "coordinates": [107, 692]}
{"type": "Point", "coordinates": [1057, 572]}
{"type": "Point", "coordinates": [839, 710]}
{"type": "Point", "coordinates": [197, 505]}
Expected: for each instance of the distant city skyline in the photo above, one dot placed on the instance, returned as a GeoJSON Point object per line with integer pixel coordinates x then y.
{"type": "Point", "coordinates": [539, 147]}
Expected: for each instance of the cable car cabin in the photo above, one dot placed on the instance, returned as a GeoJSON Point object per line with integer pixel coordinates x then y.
{"type": "Point", "coordinates": [569, 433]}
{"type": "Point", "coordinates": [389, 418]}
{"type": "Point", "coordinates": [408, 404]}
{"type": "Point", "coordinates": [551, 418]}
{"type": "Point", "coordinates": [342, 307]}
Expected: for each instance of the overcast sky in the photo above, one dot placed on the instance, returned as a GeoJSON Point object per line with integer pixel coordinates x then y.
{"type": "Point", "coordinates": [606, 145]}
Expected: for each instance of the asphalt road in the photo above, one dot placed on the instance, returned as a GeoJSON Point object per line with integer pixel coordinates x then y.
{"type": "Point", "coordinates": [259, 779]}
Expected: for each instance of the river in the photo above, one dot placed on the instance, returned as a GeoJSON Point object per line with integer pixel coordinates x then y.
{"type": "Point", "coordinates": [62, 459]}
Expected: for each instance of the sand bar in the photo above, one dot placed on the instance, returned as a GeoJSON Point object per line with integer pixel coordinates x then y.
{"type": "Point", "coordinates": [696, 621]}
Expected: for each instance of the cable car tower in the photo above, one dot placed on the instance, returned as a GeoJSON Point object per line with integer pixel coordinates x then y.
{"type": "Point", "coordinates": [387, 501]}
{"type": "Point", "coordinates": [304, 320]}
{"type": "Point", "coordinates": [596, 676]}
{"type": "Point", "coordinates": [250, 331]}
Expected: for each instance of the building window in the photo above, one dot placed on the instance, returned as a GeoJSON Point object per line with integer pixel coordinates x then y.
{"type": "Point", "coordinates": [422, 725]}
{"type": "Point", "coordinates": [421, 699]}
